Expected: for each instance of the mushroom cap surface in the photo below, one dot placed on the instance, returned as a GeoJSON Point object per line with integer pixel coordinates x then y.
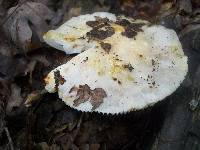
{"type": "Point", "coordinates": [132, 66]}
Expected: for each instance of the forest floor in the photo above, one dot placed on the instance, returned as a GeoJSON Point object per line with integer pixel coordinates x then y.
{"type": "Point", "coordinates": [48, 124]}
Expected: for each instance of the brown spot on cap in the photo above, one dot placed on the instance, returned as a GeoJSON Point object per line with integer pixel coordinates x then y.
{"type": "Point", "coordinates": [106, 46]}
{"type": "Point", "coordinates": [119, 82]}
{"type": "Point", "coordinates": [153, 62]}
{"type": "Point", "coordinates": [129, 33]}
{"type": "Point", "coordinates": [58, 79]}
{"type": "Point", "coordinates": [98, 94]}
{"type": "Point", "coordinates": [84, 93]}
{"type": "Point", "coordinates": [99, 22]}
{"type": "Point", "coordinates": [129, 67]}
{"type": "Point", "coordinates": [99, 34]}
{"type": "Point", "coordinates": [115, 79]}
{"type": "Point", "coordinates": [86, 59]}
{"type": "Point", "coordinates": [141, 55]}
{"type": "Point", "coordinates": [92, 23]}
{"type": "Point", "coordinates": [123, 22]}
{"type": "Point", "coordinates": [131, 29]}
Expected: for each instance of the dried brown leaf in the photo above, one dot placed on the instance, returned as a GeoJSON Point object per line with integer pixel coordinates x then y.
{"type": "Point", "coordinates": [45, 146]}
{"type": "Point", "coordinates": [190, 37]}
{"type": "Point", "coordinates": [15, 99]}
{"type": "Point", "coordinates": [33, 97]}
{"type": "Point", "coordinates": [27, 25]}
{"type": "Point", "coordinates": [94, 146]}
{"type": "Point", "coordinates": [11, 67]}
{"type": "Point", "coordinates": [185, 6]}
{"type": "Point", "coordinates": [4, 94]}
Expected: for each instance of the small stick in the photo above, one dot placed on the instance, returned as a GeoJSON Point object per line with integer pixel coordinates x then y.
{"type": "Point", "coordinates": [9, 138]}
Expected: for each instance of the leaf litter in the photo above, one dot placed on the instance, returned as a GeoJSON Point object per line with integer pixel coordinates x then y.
{"type": "Point", "coordinates": [49, 123]}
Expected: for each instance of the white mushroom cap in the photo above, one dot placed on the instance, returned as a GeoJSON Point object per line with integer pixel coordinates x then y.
{"type": "Point", "coordinates": [69, 37]}
{"type": "Point", "coordinates": [137, 66]}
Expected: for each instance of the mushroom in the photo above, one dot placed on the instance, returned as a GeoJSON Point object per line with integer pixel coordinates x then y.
{"type": "Point", "coordinates": [124, 64]}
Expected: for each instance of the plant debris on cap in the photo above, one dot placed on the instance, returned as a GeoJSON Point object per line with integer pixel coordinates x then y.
{"type": "Point", "coordinates": [130, 67]}
{"type": "Point", "coordinates": [74, 35]}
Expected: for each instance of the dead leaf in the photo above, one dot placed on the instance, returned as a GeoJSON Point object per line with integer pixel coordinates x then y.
{"type": "Point", "coordinates": [42, 59]}
{"type": "Point", "coordinates": [195, 3]}
{"type": "Point", "coordinates": [185, 6]}
{"type": "Point", "coordinates": [94, 146]}
{"type": "Point", "coordinates": [27, 25]}
{"type": "Point", "coordinates": [45, 2]}
{"type": "Point", "coordinates": [84, 147]}
{"type": "Point", "coordinates": [63, 120]}
{"type": "Point", "coordinates": [196, 82]}
{"type": "Point", "coordinates": [190, 37]}
{"type": "Point", "coordinates": [30, 68]}
{"type": "Point", "coordinates": [45, 146]}
{"type": "Point", "coordinates": [33, 97]}
{"type": "Point", "coordinates": [15, 99]}
{"type": "Point", "coordinates": [11, 67]}
{"type": "Point", "coordinates": [75, 8]}
{"type": "Point", "coordinates": [6, 48]}
{"type": "Point", "coordinates": [4, 94]}
{"type": "Point", "coordinates": [2, 10]}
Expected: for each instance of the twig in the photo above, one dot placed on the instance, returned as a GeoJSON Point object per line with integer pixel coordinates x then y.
{"type": "Point", "coordinates": [9, 138]}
